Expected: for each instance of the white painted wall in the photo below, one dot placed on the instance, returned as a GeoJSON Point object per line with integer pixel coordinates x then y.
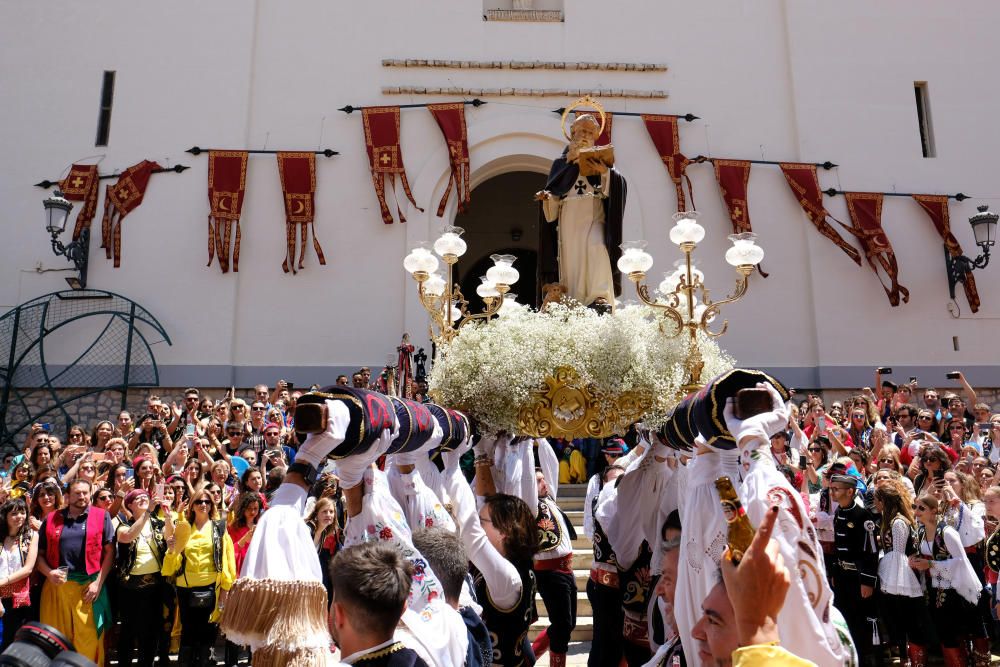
{"type": "Point", "coordinates": [783, 80]}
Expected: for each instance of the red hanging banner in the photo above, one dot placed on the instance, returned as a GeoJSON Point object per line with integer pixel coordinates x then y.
{"type": "Point", "coordinates": [865, 209]}
{"type": "Point", "coordinates": [451, 119]}
{"type": "Point", "coordinates": [121, 199]}
{"type": "Point", "coordinates": [81, 185]}
{"type": "Point", "coordinates": [385, 156]}
{"type": "Point", "coordinates": [298, 183]}
{"type": "Point", "coordinates": [734, 178]}
{"type": "Point", "coordinates": [936, 207]}
{"type": "Point", "coordinates": [804, 182]}
{"type": "Point", "coordinates": [227, 176]}
{"type": "Point", "coordinates": [663, 131]}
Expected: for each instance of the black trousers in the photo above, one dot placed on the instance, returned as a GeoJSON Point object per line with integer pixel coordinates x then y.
{"type": "Point", "coordinates": [141, 618]}
{"type": "Point", "coordinates": [606, 647]}
{"type": "Point", "coordinates": [857, 611]}
{"type": "Point", "coordinates": [558, 591]}
{"type": "Point", "coordinates": [908, 621]}
{"type": "Point", "coordinates": [196, 631]}
{"type": "Point", "coordinates": [13, 619]}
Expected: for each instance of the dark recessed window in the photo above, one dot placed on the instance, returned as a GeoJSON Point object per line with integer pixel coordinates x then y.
{"type": "Point", "coordinates": [924, 118]}
{"type": "Point", "coordinates": [104, 119]}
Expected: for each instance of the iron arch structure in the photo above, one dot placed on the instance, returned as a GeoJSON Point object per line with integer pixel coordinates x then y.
{"type": "Point", "coordinates": [108, 339]}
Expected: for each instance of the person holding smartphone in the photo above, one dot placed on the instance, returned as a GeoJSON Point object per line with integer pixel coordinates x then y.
{"type": "Point", "coordinates": [951, 584]}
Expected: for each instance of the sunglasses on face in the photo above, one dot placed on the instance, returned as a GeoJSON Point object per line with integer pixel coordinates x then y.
{"type": "Point", "coordinates": [258, 408]}
{"type": "Point", "coordinates": [234, 434]}
{"type": "Point", "coordinates": [104, 499]}
{"type": "Point", "coordinates": [886, 460]}
{"type": "Point", "coordinates": [203, 501]}
{"type": "Point", "coordinates": [816, 449]}
{"type": "Point", "coordinates": [928, 417]}
{"type": "Point", "coordinates": [920, 508]}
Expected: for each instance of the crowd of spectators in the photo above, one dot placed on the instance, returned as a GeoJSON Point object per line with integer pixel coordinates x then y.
{"type": "Point", "coordinates": [184, 484]}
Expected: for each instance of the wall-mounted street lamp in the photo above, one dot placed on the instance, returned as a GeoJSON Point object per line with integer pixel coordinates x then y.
{"type": "Point", "coordinates": [984, 229]}
{"type": "Point", "coordinates": [57, 210]}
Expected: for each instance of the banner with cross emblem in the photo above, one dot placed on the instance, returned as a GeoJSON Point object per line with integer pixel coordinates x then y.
{"type": "Point", "coordinates": [451, 119]}
{"type": "Point", "coordinates": [734, 179]}
{"type": "Point", "coordinates": [385, 157]}
{"type": "Point", "coordinates": [81, 184]}
{"type": "Point", "coordinates": [804, 183]}
{"type": "Point", "coordinates": [121, 199]}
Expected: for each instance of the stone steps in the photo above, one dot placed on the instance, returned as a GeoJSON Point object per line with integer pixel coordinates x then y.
{"type": "Point", "coordinates": [583, 632]}
{"type": "Point", "coordinates": [583, 607]}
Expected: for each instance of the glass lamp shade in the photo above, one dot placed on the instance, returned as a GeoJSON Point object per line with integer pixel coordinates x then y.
{"type": "Point", "coordinates": [682, 301]}
{"type": "Point", "coordinates": [487, 290]}
{"type": "Point", "coordinates": [502, 272]}
{"type": "Point", "coordinates": [680, 271]}
{"type": "Point", "coordinates": [57, 210]}
{"type": "Point", "coordinates": [420, 259]}
{"type": "Point", "coordinates": [434, 285]}
{"type": "Point", "coordinates": [686, 228]}
{"type": "Point", "coordinates": [984, 226]}
{"type": "Point", "coordinates": [745, 251]}
{"type": "Point", "coordinates": [699, 311]}
{"type": "Point", "coordinates": [450, 243]}
{"type": "Point", "coordinates": [634, 258]}
{"type": "Point", "coordinates": [669, 283]}
{"type": "Point", "coordinates": [509, 303]}
{"type": "Point", "coordinates": [456, 313]}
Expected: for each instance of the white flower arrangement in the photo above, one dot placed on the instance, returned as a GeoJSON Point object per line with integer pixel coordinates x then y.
{"type": "Point", "coordinates": [491, 369]}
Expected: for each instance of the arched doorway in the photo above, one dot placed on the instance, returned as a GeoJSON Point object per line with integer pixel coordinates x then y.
{"type": "Point", "coordinates": [502, 218]}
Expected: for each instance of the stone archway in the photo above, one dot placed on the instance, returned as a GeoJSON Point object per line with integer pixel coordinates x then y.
{"type": "Point", "coordinates": [503, 218]}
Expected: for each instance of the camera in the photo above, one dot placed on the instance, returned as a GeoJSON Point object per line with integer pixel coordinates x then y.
{"type": "Point", "coordinates": [884, 370]}
{"type": "Point", "coordinates": [953, 375]}
{"type": "Point", "coordinates": [39, 645]}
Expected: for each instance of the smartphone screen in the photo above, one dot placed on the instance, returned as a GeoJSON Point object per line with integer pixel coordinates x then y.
{"type": "Point", "coordinates": [802, 462]}
{"type": "Point", "coordinates": [129, 473]}
{"type": "Point", "coordinates": [821, 424]}
{"type": "Point", "coordinates": [189, 430]}
{"type": "Point", "coordinates": [158, 490]}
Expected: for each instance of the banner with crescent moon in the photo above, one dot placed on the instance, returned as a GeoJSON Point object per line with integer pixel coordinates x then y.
{"type": "Point", "coordinates": [385, 156]}
{"type": "Point", "coordinates": [81, 184]}
{"type": "Point", "coordinates": [936, 207]}
{"type": "Point", "coordinates": [804, 182]}
{"type": "Point", "coordinates": [663, 132]}
{"type": "Point", "coordinates": [121, 199]}
{"type": "Point", "coordinates": [451, 119]}
{"type": "Point", "coordinates": [298, 184]}
{"type": "Point", "coordinates": [865, 209]}
{"type": "Point", "coordinates": [227, 176]}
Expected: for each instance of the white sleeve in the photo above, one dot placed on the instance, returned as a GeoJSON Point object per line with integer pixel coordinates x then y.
{"type": "Point", "coordinates": [894, 573]}
{"type": "Point", "coordinates": [969, 524]}
{"type": "Point", "coordinates": [500, 575]}
{"type": "Point", "coordinates": [957, 570]}
{"type": "Point", "coordinates": [593, 487]}
{"type": "Point", "coordinates": [549, 463]}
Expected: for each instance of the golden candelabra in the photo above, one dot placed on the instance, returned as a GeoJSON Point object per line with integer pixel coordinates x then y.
{"type": "Point", "coordinates": [442, 299]}
{"type": "Point", "coordinates": [678, 301]}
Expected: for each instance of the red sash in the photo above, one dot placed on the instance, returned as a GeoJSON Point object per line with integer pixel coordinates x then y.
{"type": "Point", "coordinates": [93, 540]}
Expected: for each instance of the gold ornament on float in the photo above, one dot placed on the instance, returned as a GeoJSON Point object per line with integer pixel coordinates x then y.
{"type": "Point", "coordinates": [565, 407]}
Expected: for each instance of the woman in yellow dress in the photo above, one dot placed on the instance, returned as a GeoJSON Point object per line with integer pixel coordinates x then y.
{"type": "Point", "coordinates": [203, 562]}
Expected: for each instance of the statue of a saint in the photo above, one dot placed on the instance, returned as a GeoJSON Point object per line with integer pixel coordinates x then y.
{"type": "Point", "coordinates": [585, 196]}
